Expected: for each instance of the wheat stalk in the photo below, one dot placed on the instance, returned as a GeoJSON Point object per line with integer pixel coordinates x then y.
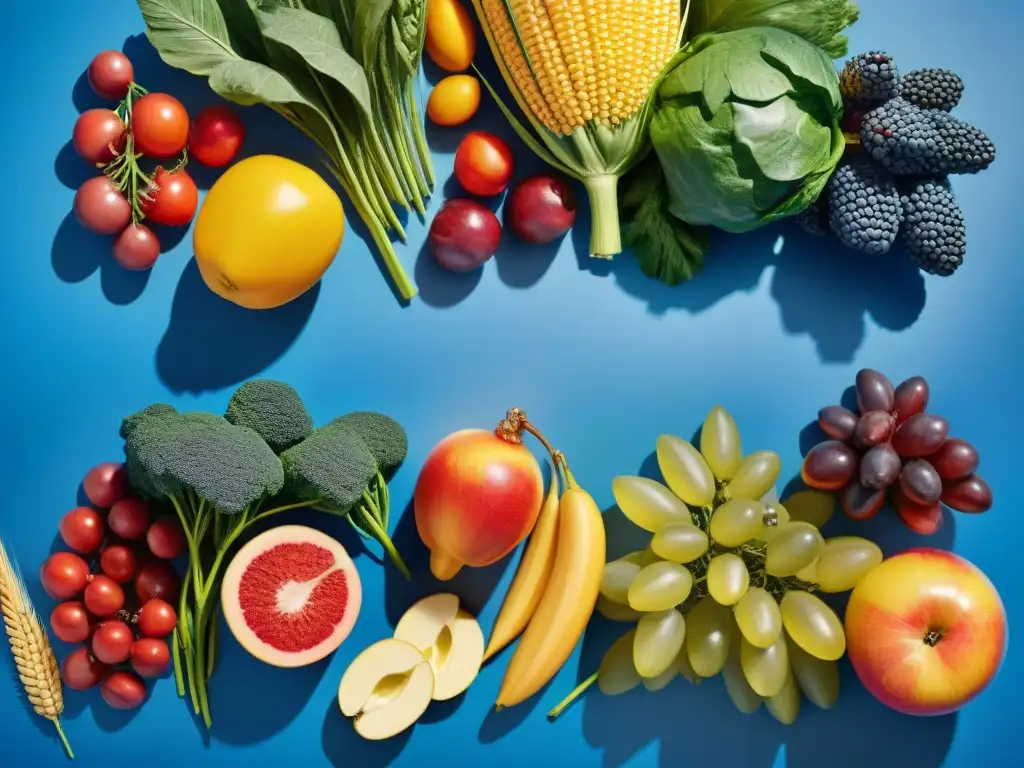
{"type": "Point", "coordinates": [33, 655]}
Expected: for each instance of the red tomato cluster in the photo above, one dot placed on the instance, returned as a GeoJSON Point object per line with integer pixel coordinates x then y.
{"type": "Point", "coordinates": [120, 603]}
{"type": "Point", "coordinates": [144, 125]}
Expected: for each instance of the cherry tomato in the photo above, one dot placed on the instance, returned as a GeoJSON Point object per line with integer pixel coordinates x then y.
{"type": "Point", "coordinates": [100, 207]}
{"type": "Point", "coordinates": [112, 642]}
{"type": "Point", "coordinates": [136, 248]}
{"type": "Point", "coordinates": [159, 125]}
{"type": "Point", "coordinates": [129, 518]}
{"type": "Point", "coordinates": [123, 690]}
{"type": "Point", "coordinates": [171, 199]}
{"type": "Point", "coordinates": [110, 74]}
{"type": "Point", "coordinates": [157, 618]}
{"type": "Point", "coordinates": [70, 622]}
{"type": "Point", "coordinates": [166, 540]}
{"type": "Point", "coordinates": [215, 136]}
{"type": "Point", "coordinates": [104, 596]}
{"type": "Point", "coordinates": [64, 575]}
{"type": "Point", "coordinates": [106, 484]}
{"type": "Point", "coordinates": [157, 578]}
{"type": "Point", "coordinates": [150, 656]}
{"type": "Point", "coordinates": [483, 164]}
{"type": "Point", "coordinates": [118, 562]}
{"type": "Point", "coordinates": [81, 670]}
{"type": "Point", "coordinates": [82, 529]}
{"type": "Point", "coordinates": [98, 136]}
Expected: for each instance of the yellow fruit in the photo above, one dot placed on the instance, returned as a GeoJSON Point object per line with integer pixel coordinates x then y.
{"type": "Point", "coordinates": [454, 100]}
{"type": "Point", "coordinates": [268, 230]}
{"type": "Point", "coordinates": [451, 39]}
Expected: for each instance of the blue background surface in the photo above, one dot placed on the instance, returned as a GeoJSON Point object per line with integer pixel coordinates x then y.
{"type": "Point", "coordinates": [601, 358]}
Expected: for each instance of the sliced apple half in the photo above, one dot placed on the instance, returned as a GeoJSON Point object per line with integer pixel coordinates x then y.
{"type": "Point", "coordinates": [449, 638]}
{"type": "Point", "coordinates": [386, 689]}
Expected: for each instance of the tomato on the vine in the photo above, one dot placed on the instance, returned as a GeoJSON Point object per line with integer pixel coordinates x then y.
{"type": "Point", "coordinates": [160, 125]}
{"type": "Point", "coordinates": [136, 248]}
{"type": "Point", "coordinates": [112, 642]}
{"type": "Point", "coordinates": [81, 670]}
{"type": "Point", "coordinates": [172, 199]}
{"type": "Point", "coordinates": [98, 136]}
{"type": "Point", "coordinates": [215, 136]}
{"type": "Point", "coordinates": [100, 207]}
{"type": "Point", "coordinates": [110, 73]}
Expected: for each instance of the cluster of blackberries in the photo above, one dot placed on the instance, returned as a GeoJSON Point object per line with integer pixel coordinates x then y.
{"type": "Point", "coordinates": [902, 145]}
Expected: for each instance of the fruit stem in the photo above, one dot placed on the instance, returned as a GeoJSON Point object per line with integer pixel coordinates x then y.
{"type": "Point", "coordinates": [576, 692]}
{"type": "Point", "coordinates": [63, 737]}
{"type": "Point", "coordinates": [510, 430]}
{"type": "Point", "coordinates": [932, 638]}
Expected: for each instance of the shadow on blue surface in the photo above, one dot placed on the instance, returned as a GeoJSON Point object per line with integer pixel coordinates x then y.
{"type": "Point", "coordinates": [77, 254]}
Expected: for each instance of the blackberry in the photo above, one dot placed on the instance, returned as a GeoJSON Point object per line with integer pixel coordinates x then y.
{"type": "Point", "coordinates": [964, 148]}
{"type": "Point", "coordinates": [933, 226]}
{"type": "Point", "coordinates": [814, 218]}
{"type": "Point", "coordinates": [902, 138]}
{"type": "Point", "coordinates": [869, 77]}
{"type": "Point", "coordinates": [932, 88]}
{"type": "Point", "coordinates": [864, 208]}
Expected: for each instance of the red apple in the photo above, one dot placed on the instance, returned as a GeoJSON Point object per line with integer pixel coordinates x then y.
{"type": "Point", "coordinates": [925, 632]}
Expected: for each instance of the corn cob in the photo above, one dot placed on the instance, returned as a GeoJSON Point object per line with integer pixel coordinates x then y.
{"type": "Point", "coordinates": [582, 72]}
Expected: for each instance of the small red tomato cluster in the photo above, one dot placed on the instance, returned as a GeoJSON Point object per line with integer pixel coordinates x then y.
{"type": "Point", "coordinates": [144, 125]}
{"type": "Point", "coordinates": [123, 635]}
{"type": "Point", "coordinates": [464, 234]}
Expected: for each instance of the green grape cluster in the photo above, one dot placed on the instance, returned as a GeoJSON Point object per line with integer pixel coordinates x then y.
{"type": "Point", "coordinates": [726, 583]}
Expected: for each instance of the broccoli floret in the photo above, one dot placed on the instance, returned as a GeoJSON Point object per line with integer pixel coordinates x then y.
{"type": "Point", "coordinates": [384, 436]}
{"type": "Point", "coordinates": [332, 466]}
{"type": "Point", "coordinates": [274, 410]}
{"type": "Point", "coordinates": [157, 409]}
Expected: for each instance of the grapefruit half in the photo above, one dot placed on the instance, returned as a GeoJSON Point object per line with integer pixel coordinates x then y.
{"type": "Point", "coordinates": [291, 596]}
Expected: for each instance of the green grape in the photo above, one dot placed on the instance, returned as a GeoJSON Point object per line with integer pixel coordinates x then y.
{"type": "Point", "coordinates": [736, 522]}
{"type": "Point", "coordinates": [785, 705]}
{"type": "Point", "coordinates": [634, 557]}
{"type": "Point", "coordinates": [777, 512]}
{"type": "Point", "coordinates": [765, 668]}
{"type": "Point", "coordinates": [813, 625]}
{"type": "Point", "coordinates": [616, 611]}
{"type": "Point", "coordinates": [809, 573]}
{"type": "Point", "coordinates": [647, 503]}
{"type": "Point", "coordinates": [844, 561]}
{"type": "Point", "coordinates": [736, 685]}
{"type": "Point", "coordinates": [655, 684]}
{"type": "Point", "coordinates": [616, 578]}
{"type": "Point", "coordinates": [659, 636]}
{"type": "Point", "coordinates": [617, 674]}
{"type": "Point", "coordinates": [660, 586]}
{"type": "Point", "coordinates": [685, 471]}
{"type": "Point", "coordinates": [720, 443]}
{"type": "Point", "coordinates": [755, 476]}
{"type": "Point", "coordinates": [728, 578]}
{"type": "Point", "coordinates": [680, 543]}
{"type": "Point", "coordinates": [685, 668]}
{"type": "Point", "coordinates": [649, 556]}
{"type": "Point", "coordinates": [758, 617]}
{"type": "Point", "coordinates": [811, 506]}
{"type": "Point", "coordinates": [795, 547]}
{"type": "Point", "coordinates": [818, 679]}
{"type": "Point", "coordinates": [709, 631]}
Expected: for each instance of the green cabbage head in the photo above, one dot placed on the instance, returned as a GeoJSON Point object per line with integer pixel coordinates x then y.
{"type": "Point", "coordinates": [747, 127]}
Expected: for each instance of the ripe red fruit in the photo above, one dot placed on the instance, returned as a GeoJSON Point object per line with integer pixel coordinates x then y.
{"type": "Point", "coordinates": [81, 670]}
{"type": "Point", "coordinates": [157, 618]}
{"type": "Point", "coordinates": [82, 529]}
{"type": "Point", "coordinates": [100, 207]}
{"type": "Point", "coordinates": [129, 518]}
{"type": "Point", "coordinates": [541, 208]}
{"type": "Point", "coordinates": [64, 575]}
{"type": "Point", "coordinates": [123, 690]}
{"type": "Point", "coordinates": [483, 164]}
{"type": "Point", "coordinates": [159, 125]}
{"type": "Point", "coordinates": [110, 73]}
{"type": "Point", "coordinates": [157, 578]}
{"type": "Point", "coordinates": [172, 199]}
{"type": "Point", "coordinates": [118, 562]}
{"type": "Point", "coordinates": [165, 538]}
{"type": "Point", "coordinates": [150, 656]}
{"type": "Point", "coordinates": [112, 642]}
{"type": "Point", "coordinates": [106, 484]}
{"type": "Point", "coordinates": [136, 248]}
{"type": "Point", "coordinates": [104, 596]}
{"type": "Point", "coordinates": [70, 622]}
{"type": "Point", "coordinates": [98, 136]}
{"type": "Point", "coordinates": [215, 136]}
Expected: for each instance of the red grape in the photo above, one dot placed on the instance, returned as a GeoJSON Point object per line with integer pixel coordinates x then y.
{"type": "Point", "coordinates": [861, 503]}
{"type": "Point", "coordinates": [82, 529]}
{"type": "Point", "coordinates": [919, 436]}
{"type": "Point", "coordinates": [911, 398]}
{"type": "Point", "coordinates": [157, 618]}
{"type": "Point", "coordinates": [925, 519]}
{"type": "Point", "coordinates": [70, 622]}
{"type": "Point", "coordinates": [968, 494]}
{"type": "Point", "coordinates": [837, 422]}
{"type": "Point", "coordinates": [112, 642]}
{"type": "Point", "coordinates": [829, 466]}
{"type": "Point", "coordinates": [165, 538]}
{"type": "Point", "coordinates": [150, 656]}
{"type": "Point", "coordinates": [123, 690]}
{"type": "Point", "coordinates": [157, 578]}
{"type": "Point", "coordinates": [874, 428]}
{"type": "Point", "coordinates": [106, 484]}
{"type": "Point", "coordinates": [955, 459]}
{"type": "Point", "coordinates": [81, 670]}
{"type": "Point", "coordinates": [129, 518]}
{"type": "Point", "coordinates": [104, 596]}
{"type": "Point", "coordinates": [880, 467]}
{"type": "Point", "coordinates": [920, 482]}
{"type": "Point", "coordinates": [118, 562]}
{"type": "Point", "coordinates": [64, 575]}
{"type": "Point", "coordinates": [874, 391]}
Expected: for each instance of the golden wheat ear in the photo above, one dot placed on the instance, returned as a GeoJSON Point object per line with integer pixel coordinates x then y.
{"type": "Point", "coordinates": [30, 645]}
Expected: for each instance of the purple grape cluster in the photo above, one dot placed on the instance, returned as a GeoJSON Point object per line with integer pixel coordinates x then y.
{"type": "Point", "coordinates": [892, 444]}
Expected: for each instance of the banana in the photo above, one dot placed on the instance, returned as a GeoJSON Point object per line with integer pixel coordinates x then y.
{"type": "Point", "coordinates": [532, 576]}
{"type": "Point", "coordinates": [567, 602]}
